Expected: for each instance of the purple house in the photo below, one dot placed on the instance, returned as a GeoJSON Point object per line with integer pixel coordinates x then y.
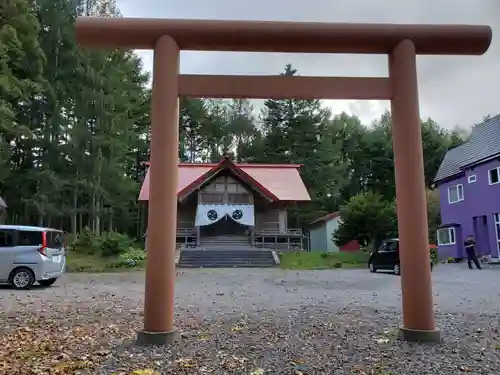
{"type": "Point", "coordinates": [469, 189]}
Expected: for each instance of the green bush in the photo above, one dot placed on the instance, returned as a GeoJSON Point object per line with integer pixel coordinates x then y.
{"type": "Point", "coordinates": [83, 242]}
{"type": "Point", "coordinates": [132, 257]}
{"type": "Point", "coordinates": [107, 244]}
{"type": "Point", "coordinates": [82, 262]}
{"type": "Point", "coordinates": [114, 243]}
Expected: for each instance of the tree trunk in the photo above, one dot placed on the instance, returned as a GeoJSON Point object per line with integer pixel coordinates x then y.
{"type": "Point", "coordinates": [92, 213]}
{"type": "Point", "coordinates": [98, 218]}
{"type": "Point", "coordinates": [110, 223]}
{"type": "Point", "coordinates": [75, 209]}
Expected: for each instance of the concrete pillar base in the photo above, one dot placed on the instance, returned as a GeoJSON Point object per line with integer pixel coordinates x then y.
{"type": "Point", "coordinates": [156, 338]}
{"type": "Point", "coordinates": [415, 335]}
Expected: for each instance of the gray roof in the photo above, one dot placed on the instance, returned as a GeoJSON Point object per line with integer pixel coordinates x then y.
{"type": "Point", "coordinates": [2, 204]}
{"type": "Point", "coordinates": [484, 143]}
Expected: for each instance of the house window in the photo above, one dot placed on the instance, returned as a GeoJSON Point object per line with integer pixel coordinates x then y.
{"type": "Point", "coordinates": [472, 179]}
{"type": "Point", "coordinates": [446, 236]}
{"type": "Point", "coordinates": [456, 193]}
{"type": "Point", "coordinates": [494, 175]}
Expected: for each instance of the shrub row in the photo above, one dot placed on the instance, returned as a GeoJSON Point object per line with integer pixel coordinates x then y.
{"type": "Point", "coordinates": [119, 248]}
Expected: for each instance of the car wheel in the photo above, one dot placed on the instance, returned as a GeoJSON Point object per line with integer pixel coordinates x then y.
{"type": "Point", "coordinates": [372, 268]}
{"type": "Point", "coordinates": [22, 278]}
{"type": "Point", "coordinates": [397, 269]}
{"type": "Point", "coordinates": [47, 282]}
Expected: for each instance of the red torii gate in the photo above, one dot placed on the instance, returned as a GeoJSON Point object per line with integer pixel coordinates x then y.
{"type": "Point", "coordinates": [401, 42]}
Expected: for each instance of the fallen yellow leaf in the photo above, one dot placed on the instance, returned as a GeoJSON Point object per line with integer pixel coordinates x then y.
{"type": "Point", "coordinates": [258, 371]}
{"type": "Point", "coordinates": [77, 365]}
{"type": "Point", "coordinates": [186, 363]}
{"type": "Point", "coordinates": [145, 372]}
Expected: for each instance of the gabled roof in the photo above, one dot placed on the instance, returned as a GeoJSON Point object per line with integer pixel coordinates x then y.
{"type": "Point", "coordinates": [484, 143]}
{"type": "Point", "coordinates": [226, 164]}
{"type": "Point", "coordinates": [278, 182]}
{"type": "Point", "coordinates": [326, 218]}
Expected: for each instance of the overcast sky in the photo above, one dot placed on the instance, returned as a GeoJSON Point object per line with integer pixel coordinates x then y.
{"type": "Point", "coordinates": [453, 90]}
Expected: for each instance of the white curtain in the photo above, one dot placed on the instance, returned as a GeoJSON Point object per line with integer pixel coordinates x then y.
{"type": "Point", "coordinates": [207, 214]}
{"type": "Point", "coordinates": [242, 213]}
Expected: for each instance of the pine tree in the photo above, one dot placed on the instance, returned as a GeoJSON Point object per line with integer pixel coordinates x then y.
{"type": "Point", "coordinates": [21, 84]}
{"type": "Point", "coordinates": [296, 131]}
{"type": "Point", "coordinates": [243, 130]}
{"type": "Point", "coordinates": [192, 116]}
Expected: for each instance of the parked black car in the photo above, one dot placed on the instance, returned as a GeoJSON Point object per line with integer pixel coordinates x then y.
{"type": "Point", "coordinates": [386, 257]}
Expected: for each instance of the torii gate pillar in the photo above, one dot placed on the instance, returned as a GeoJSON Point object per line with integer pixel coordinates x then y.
{"type": "Point", "coordinates": [162, 214]}
{"type": "Point", "coordinates": [416, 285]}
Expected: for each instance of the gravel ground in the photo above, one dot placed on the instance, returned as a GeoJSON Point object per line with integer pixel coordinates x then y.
{"type": "Point", "coordinates": [252, 321]}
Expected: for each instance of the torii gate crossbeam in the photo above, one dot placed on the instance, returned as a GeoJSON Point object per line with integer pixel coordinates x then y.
{"type": "Point", "coordinates": [401, 42]}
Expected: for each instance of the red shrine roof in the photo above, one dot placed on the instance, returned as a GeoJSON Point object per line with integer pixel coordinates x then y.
{"type": "Point", "coordinates": [278, 182]}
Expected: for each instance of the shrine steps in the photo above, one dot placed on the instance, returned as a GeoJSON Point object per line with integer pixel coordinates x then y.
{"type": "Point", "coordinates": [226, 257]}
{"type": "Point", "coordinates": [225, 240]}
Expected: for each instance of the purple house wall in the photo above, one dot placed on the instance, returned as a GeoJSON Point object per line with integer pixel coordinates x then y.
{"type": "Point", "coordinates": [477, 210]}
{"type": "Point", "coordinates": [474, 214]}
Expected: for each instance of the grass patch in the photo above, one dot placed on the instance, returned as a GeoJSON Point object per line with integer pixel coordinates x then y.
{"type": "Point", "coordinates": [321, 261]}
{"type": "Point", "coordinates": [95, 263]}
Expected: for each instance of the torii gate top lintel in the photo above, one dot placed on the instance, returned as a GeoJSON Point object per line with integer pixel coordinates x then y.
{"type": "Point", "coordinates": [271, 36]}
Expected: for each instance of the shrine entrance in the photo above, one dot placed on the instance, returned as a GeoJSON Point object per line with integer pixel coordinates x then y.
{"type": "Point", "coordinates": [401, 43]}
{"type": "Point", "coordinates": [224, 227]}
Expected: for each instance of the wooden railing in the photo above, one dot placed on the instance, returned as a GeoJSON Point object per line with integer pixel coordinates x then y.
{"type": "Point", "coordinates": [185, 228]}
{"type": "Point", "coordinates": [272, 225]}
{"type": "Point", "coordinates": [185, 224]}
{"type": "Point", "coordinates": [257, 232]}
{"type": "Point", "coordinates": [186, 232]}
{"type": "Point", "coordinates": [277, 232]}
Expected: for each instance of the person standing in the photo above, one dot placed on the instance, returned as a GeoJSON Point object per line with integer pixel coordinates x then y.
{"type": "Point", "coordinates": [470, 249]}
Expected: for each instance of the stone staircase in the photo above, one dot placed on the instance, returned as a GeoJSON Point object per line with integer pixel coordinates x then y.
{"type": "Point", "coordinates": [225, 251]}
{"type": "Point", "coordinates": [226, 242]}
{"type": "Point", "coordinates": [226, 257]}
